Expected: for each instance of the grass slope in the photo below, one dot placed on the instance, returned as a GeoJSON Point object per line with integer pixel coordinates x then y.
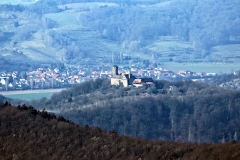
{"type": "Point", "coordinates": [225, 53]}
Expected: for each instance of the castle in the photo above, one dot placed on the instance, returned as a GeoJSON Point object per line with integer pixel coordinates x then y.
{"type": "Point", "coordinates": [124, 79]}
{"type": "Point", "coordinates": [128, 79]}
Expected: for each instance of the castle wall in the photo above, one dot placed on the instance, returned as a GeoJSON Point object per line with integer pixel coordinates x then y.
{"type": "Point", "coordinates": [117, 82]}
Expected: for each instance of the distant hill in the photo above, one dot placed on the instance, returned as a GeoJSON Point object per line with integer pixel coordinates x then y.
{"type": "Point", "coordinates": [182, 111]}
{"type": "Point", "coordinates": [83, 32]}
{"type": "Point", "coordinates": [30, 134]}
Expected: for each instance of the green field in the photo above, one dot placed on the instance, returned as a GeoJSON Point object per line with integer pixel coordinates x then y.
{"type": "Point", "coordinates": [66, 20]}
{"type": "Point", "coordinates": [29, 96]}
{"type": "Point", "coordinates": [166, 46]}
{"type": "Point", "coordinates": [226, 53]}
{"type": "Point", "coordinates": [14, 2]}
{"type": "Point", "coordinates": [218, 68]}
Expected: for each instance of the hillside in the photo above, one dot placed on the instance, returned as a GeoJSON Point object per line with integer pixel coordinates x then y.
{"type": "Point", "coordinates": [181, 111]}
{"type": "Point", "coordinates": [2, 98]}
{"type": "Point", "coordinates": [79, 32]}
{"type": "Point", "coordinates": [30, 134]}
{"type": "Point", "coordinates": [228, 81]}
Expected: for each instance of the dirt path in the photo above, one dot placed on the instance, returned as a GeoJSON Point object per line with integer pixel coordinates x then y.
{"type": "Point", "coordinates": [31, 91]}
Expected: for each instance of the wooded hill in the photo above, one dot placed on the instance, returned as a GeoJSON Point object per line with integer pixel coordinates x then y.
{"type": "Point", "coordinates": [183, 111]}
{"type": "Point", "coordinates": [134, 24]}
{"type": "Point", "coordinates": [228, 81]}
{"type": "Point", "coordinates": [169, 30]}
{"type": "Point", "coordinates": [30, 134]}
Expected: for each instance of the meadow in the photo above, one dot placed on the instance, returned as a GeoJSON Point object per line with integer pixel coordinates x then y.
{"type": "Point", "coordinates": [224, 53]}
{"type": "Point", "coordinates": [218, 68]}
{"type": "Point", "coordinates": [30, 94]}
{"type": "Point", "coordinates": [15, 2]}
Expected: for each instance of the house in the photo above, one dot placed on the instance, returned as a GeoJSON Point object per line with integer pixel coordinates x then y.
{"type": "Point", "coordinates": [3, 81]}
{"type": "Point", "coordinates": [211, 74]}
{"type": "Point", "coordinates": [139, 82]}
{"type": "Point", "coordinates": [181, 72]}
{"type": "Point", "coordinates": [236, 73]}
{"type": "Point", "coordinates": [56, 70]}
{"type": "Point", "coordinates": [3, 74]}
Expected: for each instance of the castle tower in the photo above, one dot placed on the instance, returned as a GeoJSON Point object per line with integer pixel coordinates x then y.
{"type": "Point", "coordinates": [115, 70]}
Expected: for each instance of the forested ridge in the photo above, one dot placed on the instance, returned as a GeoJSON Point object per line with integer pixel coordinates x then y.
{"type": "Point", "coordinates": [178, 111]}
{"type": "Point", "coordinates": [27, 133]}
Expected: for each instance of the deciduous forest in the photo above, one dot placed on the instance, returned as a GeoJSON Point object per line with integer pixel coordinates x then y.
{"type": "Point", "coordinates": [174, 111]}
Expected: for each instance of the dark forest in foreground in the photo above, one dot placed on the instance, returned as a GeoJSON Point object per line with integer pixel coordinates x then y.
{"type": "Point", "coordinates": [30, 134]}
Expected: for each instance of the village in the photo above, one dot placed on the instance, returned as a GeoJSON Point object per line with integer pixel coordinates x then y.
{"type": "Point", "coordinates": [46, 78]}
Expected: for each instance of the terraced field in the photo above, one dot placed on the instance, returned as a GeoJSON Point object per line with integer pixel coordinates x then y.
{"type": "Point", "coordinates": [69, 25]}
{"type": "Point", "coordinates": [226, 53]}
{"type": "Point", "coordinates": [36, 50]}
{"type": "Point", "coordinates": [85, 6]}
{"type": "Point", "coordinates": [66, 20]}
{"type": "Point", "coordinates": [171, 49]}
